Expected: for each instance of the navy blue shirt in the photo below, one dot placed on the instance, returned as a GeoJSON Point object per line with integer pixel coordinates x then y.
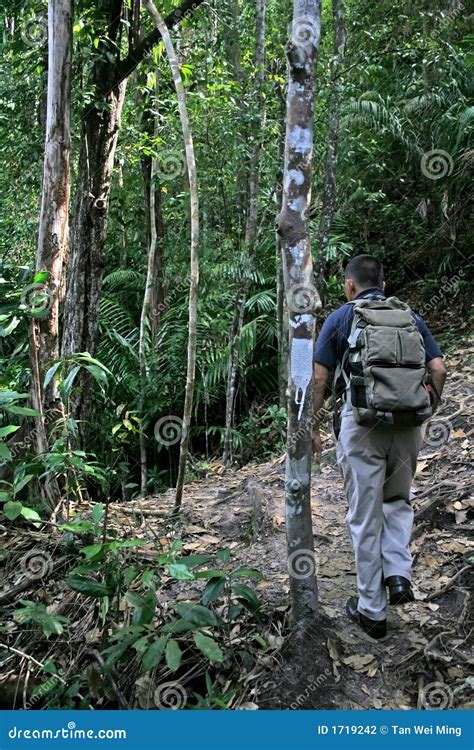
{"type": "Point", "coordinates": [332, 340]}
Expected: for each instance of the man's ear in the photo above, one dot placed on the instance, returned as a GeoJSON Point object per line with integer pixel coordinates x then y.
{"type": "Point", "coordinates": [351, 289]}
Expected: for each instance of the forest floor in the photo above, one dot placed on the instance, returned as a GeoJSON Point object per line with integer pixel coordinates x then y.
{"type": "Point", "coordinates": [423, 662]}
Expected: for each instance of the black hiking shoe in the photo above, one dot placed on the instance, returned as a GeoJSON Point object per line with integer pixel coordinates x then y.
{"type": "Point", "coordinates": [374, 628]}
{"type": "Point", "coordinates": [399, 590]}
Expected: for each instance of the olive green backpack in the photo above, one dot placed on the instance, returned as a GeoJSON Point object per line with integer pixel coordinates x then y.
{"type": "Point", "coordinates": [386, 363]}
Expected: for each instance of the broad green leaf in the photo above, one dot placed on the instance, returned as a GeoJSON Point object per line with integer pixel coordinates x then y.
{"type": "Point", "coordinates": [12, 510]}
{"type": "Point", "coordinates": [224, 556]}
{"type": "Point", "coordinates": [9, 429]}
{"type": "Point", "coordinates": [41, 277]}
{"type": "Point", "coordinates": [97, 512]}
{"type": "Point", "coordinates": [173, 655]}
{"type": "Point", "coordinates": [97, 373]}
{"type": "Point", "coordinates": [192, 561]}
{"type": "Point", "coordinates": [68, 383]}
{"type": "Point", "coordinates": [178, 626]}
{"type": "Point", "coordinates": [247, 573]}
{"type": "Point", "coordinates": [153, 654]}
{"type": "Point", "coordinates": [180, 572]}
{"type": "Point", "coordinates": [18, 485]}
{"type": "Point", "coordinates": [87, 586]}
{"type": "Point", "coordinates": [247, 595]}
{"type": "Point", "coordinates": [144, 606]}
{"type": "Point", "coordinates": [209, 647]}
{"type": "Point", "coordinates": [51, 373]}
{"type": "Point", "coordinates": [30, 514]}
{"type": "Point", "coordinates": [79, 527]}
{"type": "Point", "coordinates": [196, 614]}
{"type": "Point", "coordinates": [24, 410]}
{"type": "Point", "coordinates": [5, 452]}
{"type": "Point", "coordinates": [212, 573]}
{"type": "Point", "coordinates": [93, 551]}
{"type": "Point", "coordinates": [213, 590]}
{"type": "Point", "coordinates": [5, 331]}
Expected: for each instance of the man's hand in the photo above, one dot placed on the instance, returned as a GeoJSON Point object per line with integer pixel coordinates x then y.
{"type": "Point", "coordinates": [316, 443]}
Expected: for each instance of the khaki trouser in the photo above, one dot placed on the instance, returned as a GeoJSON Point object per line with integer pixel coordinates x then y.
{"type": "Point", "coordinates": [378, 465]}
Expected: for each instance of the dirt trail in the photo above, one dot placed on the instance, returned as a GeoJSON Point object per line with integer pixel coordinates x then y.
{"type": "Point", "coordinates": [425, 660]}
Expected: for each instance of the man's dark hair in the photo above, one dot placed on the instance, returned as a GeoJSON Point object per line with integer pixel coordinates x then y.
{"type": "Point", "coordinates": [366, 271]}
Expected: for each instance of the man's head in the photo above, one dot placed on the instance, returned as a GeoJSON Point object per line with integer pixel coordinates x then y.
{"type": "Point", "coordinates": [362, 272]}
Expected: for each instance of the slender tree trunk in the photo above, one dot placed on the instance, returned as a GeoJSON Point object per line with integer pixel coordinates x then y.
{"type": "Point", "coordinates": [249, 239]}
{"type": "Point", "coordinates": [153, 296]}
{"type": "Point", "coordinates": [53, 235]}
{"type": "Point", "coordinates": [328, 210]}
{"type": "Point", "coordinates": [281, 306]}
{"type": "Point", "coordinates": [194, 265]}
{"type": "Point", "coordinates": [302, 297]}
{"type": "Point", "coordinates": [145, 319]}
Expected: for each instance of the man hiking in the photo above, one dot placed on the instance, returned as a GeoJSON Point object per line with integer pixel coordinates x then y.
{"type": "Point", "coordinates": [390, 373]}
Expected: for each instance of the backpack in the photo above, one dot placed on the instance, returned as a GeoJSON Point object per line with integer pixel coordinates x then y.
{"type": "Point", "coordinates": [386, 360]}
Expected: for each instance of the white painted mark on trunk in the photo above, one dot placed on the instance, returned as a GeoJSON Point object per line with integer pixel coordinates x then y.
{"type": "Point", "coordinates": [300, 139]}
{"type": "Point", "coordinates": [301, 369]}
{"type": "Point", "coordinates": [293, 175]}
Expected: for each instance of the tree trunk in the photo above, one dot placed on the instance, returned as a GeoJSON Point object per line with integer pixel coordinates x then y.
{"type": "Point", "coordinates": [249, 239]}
{"type": "Point", "coordinates": [329, 190]}
{"type": "Point", "coordinates": [302, 298]}
{"type": "Point", "coordinates": [53, 235]}
{"type": "Point", "coordinates": [153, 296]}
{"type": "Point", "coordinates": [100, 129]}
{"type": "Point", "coordinates": [194, 265]}
{"type": "Point", "coordinates": [281, 306]}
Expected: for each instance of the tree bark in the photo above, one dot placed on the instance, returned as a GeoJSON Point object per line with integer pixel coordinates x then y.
{"type": "Point", "coordinates": [302, 298]}
{"type": "Point", "coordinates": [100, 129]}
{"type": "Point", "coordinates": [281, 306]}
{"type": "Point", "coordinates": [53, 235]}
{"type": "Point", "coordinates": [328, 210]}
{"type": "Point", "coordinates": [194, 264]}
{"type": "Point", "coordinates": [249, 238]}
